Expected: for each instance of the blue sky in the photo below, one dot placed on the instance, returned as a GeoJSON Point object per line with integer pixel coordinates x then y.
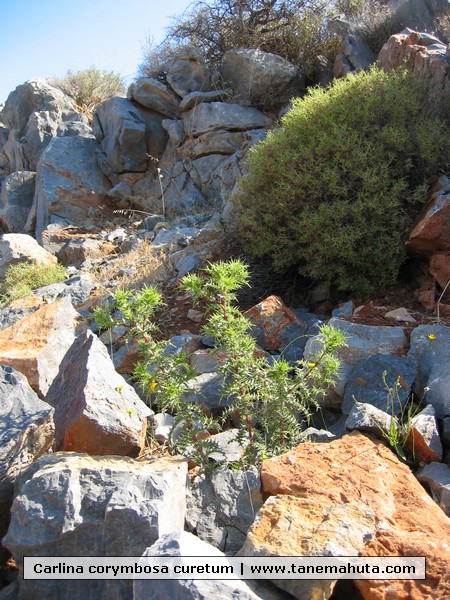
{"type": "Point", "coordinates": [45, 38]}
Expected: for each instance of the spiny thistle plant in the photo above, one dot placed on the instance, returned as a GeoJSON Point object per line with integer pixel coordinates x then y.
{"type": "Point", "coordinates": [269, 399]}
{"type": "Point", "coordinates": [161, 372]}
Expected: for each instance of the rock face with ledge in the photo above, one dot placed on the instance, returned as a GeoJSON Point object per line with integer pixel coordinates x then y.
{"type": "Point", "coordinates": [358, 470]}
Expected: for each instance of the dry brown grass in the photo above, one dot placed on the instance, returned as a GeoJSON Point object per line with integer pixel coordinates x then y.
{"type": "Point", "coordinates": [153, 268]}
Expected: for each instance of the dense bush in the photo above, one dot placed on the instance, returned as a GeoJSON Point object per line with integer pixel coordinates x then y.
{"type": "Point", "coordinates": [334, 190]}
{"type": "Point", "coordinates": [21, 279]}
{"type": "Point", "coordinates": [90, 87]}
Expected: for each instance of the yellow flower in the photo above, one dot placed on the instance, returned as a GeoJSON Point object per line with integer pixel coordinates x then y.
{"type": "Point", "coordinates": [119, 388]}
{"type": "Point", "coordinates": [431, 336]}
{"type": "Point", "coordinates": [130, 411]}
{"type": "Point", "coordinates": [153, 386]}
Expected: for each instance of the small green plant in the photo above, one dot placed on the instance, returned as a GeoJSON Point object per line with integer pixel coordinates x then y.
{"type": "Point", "coordinates": [162, 373]}
{"type": "Point", "coordinates": [269, 400]}
{"type": "Point", "coordinates": [399, 435]}
{"type": "Point", "coordinates": [21, 279]}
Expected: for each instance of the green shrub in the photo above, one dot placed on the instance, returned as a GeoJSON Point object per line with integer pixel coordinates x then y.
{"type": "Point", "coordinates": [334, 190]}
{"type": "Point", "coordinates": [270, 399]}
{"type": "Point", "coordinates": [21, 279]}
{"type": "Point", "coordinates": [90, 87]}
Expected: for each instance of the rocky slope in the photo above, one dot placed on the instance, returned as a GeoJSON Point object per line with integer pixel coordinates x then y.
{"type": "Point", "coordinates": [77, 475]}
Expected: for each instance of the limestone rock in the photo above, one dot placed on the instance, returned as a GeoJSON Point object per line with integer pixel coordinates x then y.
{"type": "Point", "coordinates": [429, 61]}
{"type": "Point", "coordinates": [400, 315]}
{"type": "Point", "coordinates": [432, 231]}
{"type": "Point", "coordinates": [430, 348]}
{"type": "Point", "coordinates": [188, 72]}
{"type": "Point", "coordinates": [19, 247]}
{"type": "Point", "coordinates": [371, 380]}
{"type": "Point", "coordinates": [440, 268]}
{"type": "Point", "coordinates": [418, 14]}
{"type": "Point", "coordinates": [36, 345]}
{"type": "Point", "coordinates": [212, 116]}
{"type": "Point", "coordinates": [436, 476]}
{"type": "Point", "coordinates": [186, 544]}
{"type": "Point", "coordinates": [68, 182]}
{"type": "Point", "coordinates": [358, 470]}
{"type": "Point", "coordinates": [195, 98]}
{"type": "Point", "coordinates": [362, 341]}
{"type": "Point", "coordinates": [207, 389]}
{"type": "Point", "coordinates": [368, 419]}
{"type": "Point", "coordinates": [72, 247]}
{"type": "Point", "coordinates": [26, 432]}
{"type": "Point", "coordinates": [424, 442]}
{"type": "Point", "coordinates": [269, 319]}
{"type": "Point", "coordinates": [26, 426]}
{"type": "Point", "coordinates": [260, 78]}
{"type": "Point", "coordinates": [153, 94]}
{"type": "Point", "coordinates": [34, 112]}
{"type": "Point", "coordinates": [222, 507]}
{"type": "Point", "coordinates": [357, 51]}
{"type": "Point", "coordinates": [16, 199]}
{"type": "Point", "coordinates": [77, 288]}
{"type": "Point", "coordinates": [128, 135]}
{"type": "Point", "coordinates": [69, 504]}
{"type": "Point", "coordinates": [18, 309]}
{"type": "Point", "coordinates": [96, 411]}
{"type": "Point", "coordinates": [290, 526]}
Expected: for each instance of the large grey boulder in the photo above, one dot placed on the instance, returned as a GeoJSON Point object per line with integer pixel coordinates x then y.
{"type": "Point", "coordinates": [71, 504]}
{"type": "Point", "coordinates": [185, 544]}
{"type": "Point", "coordinates": [187, 72]}
{"type": "Point", "coordinates": [212, 116]}
{"type": "Point", "coordinates": [260, 78]}
{"type": "Point", "coordinates": [16, 199]}
{"type": "Point", "coordinates": [361, 341]}
{"type": "Point", "coordinates": [34, 113]}
{"type": "Point", "coordinates": [430, 347]}
{"type": "Point", "coordinates": [96, 411]}
{"type": "Point", "coordinates": [153, 94]}
{"type": "Point", "coordinates": [26, 427]}
{"type": "Point", "coordinates": [418, 14]}
{"type": "Point", "coordinates": [128, 134]}
{"type": "Point", "coordinates": [26, 432]}
{"type": "Point", "coordinates": [383, 380]}
{"type": "Point", "coordinates": [222, 507]}
{"type": "Point", "coordinates": [69, 184]}
{"type": "Point", "coordinates": [16, 248]}
{"type": "Point", "coordinates": [357, 51]}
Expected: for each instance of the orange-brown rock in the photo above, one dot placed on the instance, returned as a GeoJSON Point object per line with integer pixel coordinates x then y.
{"type": "Point", "coordinates": [420, 53]}
{"type": "Point", "coordinates": [432, 231]}
{"type": "Point", "coordinates": [359, 470]}
{"type": "Point", "coordinates": [269, 318]}
{"type": "Point", "coordinates": [440, 267]}
{"type": "Point", "coordinates": [36, 344]}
